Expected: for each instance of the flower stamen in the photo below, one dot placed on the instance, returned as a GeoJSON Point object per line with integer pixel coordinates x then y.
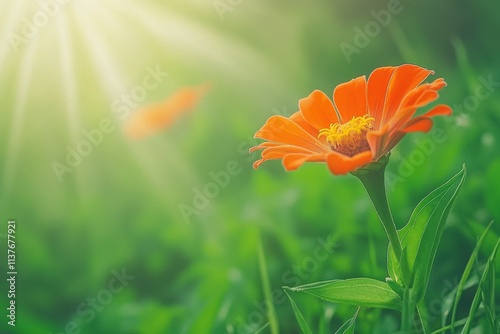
{"type": "Point", "coordinates": [349, 138]}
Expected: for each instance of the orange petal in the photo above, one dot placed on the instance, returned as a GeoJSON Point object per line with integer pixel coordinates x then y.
{"type": "Point", "coordinates": [425, 98]}
{"type": "Point", "coordinates": [282, 130]}
{"type": "Point", "coordinates": [439, 110]}
{"type": "Point", "coordinates": [422, 94]}
{"type": "Point", "coordinates": [378, 141]}
{"type": "Point", "coordinates": [423, 123]}
{"type": "Point", "coordinates": [277, 152]}
{"type": "Point", "coordinates": [350, 99]}
{"type": "Point", "coordinates": [404, 115]}
{"type": "Point", "coordinates": [382, 142]}
{"type": "Point", "coordinates": [377, 90]}
{"type": "Point", "coordinates": [419, 97]}
{"type": "Point", "coordinates": [299, 119]}
{"type": "Point", "coordinates": [418, 125]}
{"type": "Point", "coordinates": [342, 164]}
{"type": "Point", "coordinates": [404, 79]}
{"type": "Point", "coordinates": [294, 161]}
{"type": "Point", "coordinates": [158, 116]}
{"type": "Point", "coordinates": [318, 110]}
{"type": "Point", "coordinates": [263, 146]}
{"type": "Point", "coordinates": [282, 150]}
{"type": "Point", "coordinates": [393, 139]}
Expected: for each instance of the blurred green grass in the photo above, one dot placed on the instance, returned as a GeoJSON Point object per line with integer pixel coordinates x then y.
{"type": "Point", "coordinates": [120, 207]}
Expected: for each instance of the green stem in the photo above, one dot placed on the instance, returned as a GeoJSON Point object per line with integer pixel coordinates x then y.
{"type": "Point", "coordinates": [373, 181]}
{"type": "Point", "coordinates": [405, 318]}
{"type": "Point", "coordinates": [408, 311]}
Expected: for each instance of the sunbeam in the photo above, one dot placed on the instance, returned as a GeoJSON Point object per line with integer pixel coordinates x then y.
{"type": "Point", "coordinates": [199, 42]}
{"type": "Point", "coordinates": [68, 77]}
{"type": "Point", "coordinates": [24, 80]}
{"type": "Point", "coordinates": [7, 33]}
{"type": "Point", "coordinates": [70, 87]}
{"type": "Point", "coordinates": [113, 80]}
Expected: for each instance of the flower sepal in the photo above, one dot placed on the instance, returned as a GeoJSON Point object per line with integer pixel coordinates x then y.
{"type": "Point", "coordinates": [376, 166]}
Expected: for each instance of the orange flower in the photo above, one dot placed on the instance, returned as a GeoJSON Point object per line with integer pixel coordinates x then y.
{"type": "Point", "coordinates": [159, 116]}
{"type": "Point", "coordinates": [364, 122]}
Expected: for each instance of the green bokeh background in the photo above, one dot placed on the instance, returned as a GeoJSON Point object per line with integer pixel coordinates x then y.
{"type": "Point", "coordinates": [119, 208]}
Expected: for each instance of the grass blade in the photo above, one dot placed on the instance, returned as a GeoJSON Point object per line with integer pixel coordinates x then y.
{"type": "Point", "coordinates": [477, 298]}
{"type": "Point", "coordinates": [488, 297]}
{"type": "Point", "coordinates": [262, 328]}
{"type": "Point", "coordinates": [266, 286]}
{"type": "Point", "coordinates": [348, 326]}
{"type": "Point", "coordinates": [466, 274]}
{"type": "Point", "coordinates": [300, 318]}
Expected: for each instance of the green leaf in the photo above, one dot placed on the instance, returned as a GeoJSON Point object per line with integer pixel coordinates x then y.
{"type": "Point", "coordinates": [398, 271]}
{"type": "Point", "coordinates": [421, 236]}
{"type": "Point", "coordinates": [490, 265]}
{"type": "Point", "coordinates": [393, 268]}
{"type": "Point", "coordinates": [355, 291]}
{"type": "Point", "coordinates": [395, 286]}
{"type": "Point", "coordinates": [300, 318]}
{"type": "Point", "coordinates": [348, 326]}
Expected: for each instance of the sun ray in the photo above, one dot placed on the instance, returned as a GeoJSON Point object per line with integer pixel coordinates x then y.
{"type": "Point", "coordinates": [113, 79]}
{"type": "Point", "coordinates": [13, 143]}
{"type": "Point", "coordinates": [9, 25]}
{"type": "Point", "coordinates": [69, 84]}
{"type": "Point", "coordinates": [191, 38]}
{"type": "Point", "coordinates": [68, 78]}
{"type": "Point", "coordinates": [8, 31]}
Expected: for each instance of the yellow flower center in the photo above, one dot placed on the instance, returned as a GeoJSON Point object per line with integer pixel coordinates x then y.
{"type": "Point", "coordinates": [349, 138]}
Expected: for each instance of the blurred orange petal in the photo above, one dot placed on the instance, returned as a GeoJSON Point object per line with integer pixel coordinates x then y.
{"type": "Point", "coordinates": [159, 116]}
